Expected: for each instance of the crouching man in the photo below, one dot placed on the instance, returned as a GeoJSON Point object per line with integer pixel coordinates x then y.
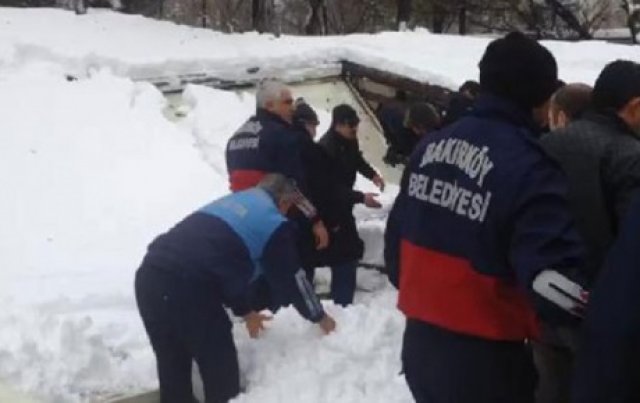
{"type": "Point", "coordinates": [209, 261]}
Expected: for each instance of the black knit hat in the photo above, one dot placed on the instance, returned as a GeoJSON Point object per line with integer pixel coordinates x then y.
{"type": "Point", "coordinates": [617, 84]}
{"type": "Point", "coordinates": [344, 114]}
{"type": "Point", "coordinates": [305, 113]}
{"type": "Point", "coordinates": [519, 69]}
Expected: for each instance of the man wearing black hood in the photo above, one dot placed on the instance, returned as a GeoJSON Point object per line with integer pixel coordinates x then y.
{"type": "Point", "coordinates": [480, 239]}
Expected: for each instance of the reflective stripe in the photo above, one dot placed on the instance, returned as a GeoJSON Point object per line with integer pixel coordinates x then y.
{"type": "Point", "coordinates": [308, 294]}
{"type": "Point", "coordinates": [561, 291]}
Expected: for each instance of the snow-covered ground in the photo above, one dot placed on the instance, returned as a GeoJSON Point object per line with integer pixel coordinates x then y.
{"type": "Point", "coordinates": [92, 170]}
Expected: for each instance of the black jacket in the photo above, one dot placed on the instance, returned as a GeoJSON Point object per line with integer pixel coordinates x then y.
{"type": "Point", "coordinates": [334, 202]}
{"type": "Point", "coordinates": [459, 107]}
{"type": "Point", "coordinates": [600, 155]}
{"type": "Point", "coordinates": [607, 369]}
{"type": "Point", "coordinates": [347, 161]}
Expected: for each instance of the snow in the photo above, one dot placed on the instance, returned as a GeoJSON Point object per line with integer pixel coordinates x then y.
{"type": "Point", "coordinates": [93, 170]}
{"type": "Point", "coordinates": [134, 46]}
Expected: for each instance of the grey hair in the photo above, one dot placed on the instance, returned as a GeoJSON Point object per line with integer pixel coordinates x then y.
{"type": "Point", "coordinates": [280, 188]}
{"type": "Point", "coordinates": [269, 91]}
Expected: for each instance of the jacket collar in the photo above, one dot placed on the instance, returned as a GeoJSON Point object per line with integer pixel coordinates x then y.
{"type": "Point", "coordinates": [495, 107]}
{"type": "Point", "coordinates": [263, 114]}
{"type": "Point", "coordinates": [340, 138]}
{"type": "Point", "coordinates": [610, 119]}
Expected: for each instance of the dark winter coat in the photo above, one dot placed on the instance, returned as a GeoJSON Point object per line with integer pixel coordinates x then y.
{"type": "Point", "coordinates": [233, 244]}
{"type": "Point", "coordinates": [601, 158]}
{"type": "Point", "coordinates": [607, 369]}
{"type": "Point", "coordinates": [334, 202]}
{"type": "Point", "coordinates": [459, 107]}
{"type": "Point", "coordinates": [481, 211]}
{"type": "Point", "coordinates": [347, 159]}
{"type": "Point", "coordinates": [391, 118]}
{"type": "Point", "coordinates": [264, 144]}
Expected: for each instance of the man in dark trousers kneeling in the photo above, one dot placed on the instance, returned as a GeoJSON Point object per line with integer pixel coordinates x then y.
{"type": "Point", "coordinates": [209, 261]}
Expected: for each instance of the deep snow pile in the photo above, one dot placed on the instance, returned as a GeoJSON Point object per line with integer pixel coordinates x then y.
{"type": "Point", "coordinates": [94, 171]}
{"type": "Point", "coordinates": [140, 47]}
{"type": "Point", "coordinates": [91, 171]}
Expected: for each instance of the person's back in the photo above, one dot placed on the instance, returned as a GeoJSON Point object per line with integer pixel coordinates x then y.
{"type": "Point", "coordinates": [264, 144]}
{"type": "Point", "coordinates": [608, 363]}
{"type": "Point", "coordinates": [461, 102]}
{"type": "Point", "coordinates": [472, 179]}
{"type": "Point", "coordinates": [480, 232]}
{"type": "Point", "coordinates": [422, 118]}
{"type": "Point", "coordinates": [600, 154]}
{"type": "Point", "coordinates": [216, 244]}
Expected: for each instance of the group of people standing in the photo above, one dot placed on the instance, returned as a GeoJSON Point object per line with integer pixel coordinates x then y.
{"type": "Point", "coordinates": [290, 211]}
{"type": "Point", "coordinates": [514, 250]}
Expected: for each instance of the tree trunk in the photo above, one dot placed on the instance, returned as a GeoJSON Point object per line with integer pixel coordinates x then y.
{"type": "Point", "coordinates": [462, 18]}
{"type": "Point", "coordinates": [204, 17]}
{"type": "Point", "coordinates": [439, 14]}
{"type": "Point", "coordinates": [259, 15]}
{"type": "Point", "coordinates": [316, 24]}
{"type": "Point", "coordinates": [633, 17]}
{"type": "Point", "coordinates": [567, 16]}
{"type": "Point", "coordinates": [404, 14]}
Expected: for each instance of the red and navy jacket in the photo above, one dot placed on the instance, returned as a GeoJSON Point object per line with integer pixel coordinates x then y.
{"type": "Point", "coordinates": [267, 144]}
{"type": "Point", "coordinates": [481, 211]}
{"type": "Point", "coordinates": [264, 144]}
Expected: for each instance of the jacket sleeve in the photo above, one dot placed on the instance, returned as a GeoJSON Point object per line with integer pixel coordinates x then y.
{"type": "Point", "coordinates": [285, 151]}
{"type": "Point", "coordinates": [288, 283]}
{"type": "Point", "coordinates": [392, 233]}
{"type": "Point", "coordinates": [364, 167]}
{"type": "Point", "coordinates": [610, 352]}
{"type": "Point", "coordinates": [622, 178]}
{"type": "Point", "coordinates": [545, 248]}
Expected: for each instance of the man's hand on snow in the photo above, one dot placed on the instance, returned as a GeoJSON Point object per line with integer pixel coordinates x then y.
{"type": "Point", "coordinates": [371, 201]}
{"type": "Point", "coordinates": [379, 182]}
{"type": "Point", "coordinates": [327, 324]}
{"type": "Point", "coordinates": [321, 235]}
{"type": "Point", "coordinates": [254, 321]}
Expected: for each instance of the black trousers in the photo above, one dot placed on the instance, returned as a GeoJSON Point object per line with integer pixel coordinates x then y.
{"type": "Point", "coordinates": [186, 322]}
{"type": "Point", "coordinates": [445, 367]}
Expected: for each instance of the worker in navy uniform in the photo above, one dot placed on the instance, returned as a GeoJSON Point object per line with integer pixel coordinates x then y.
{"type": "Point", "coordinates": [480, 238]}
{"type": "Point", "coordinates": [209, 261]}
{"type": "Point", "coordinates": [268, 143]}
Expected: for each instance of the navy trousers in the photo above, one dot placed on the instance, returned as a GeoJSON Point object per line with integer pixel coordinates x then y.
{"type": "Point", "coordinates": [445, 367]}
{"type": "Point", "coordinates": [343, 283]}
{"type": "Point", "coordinates": [186, 322]}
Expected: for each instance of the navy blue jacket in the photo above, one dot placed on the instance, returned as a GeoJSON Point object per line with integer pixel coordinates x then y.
{"type": "Point", "coordinates": [264, 144]}
{"type": "Point", "coordinates": [607, 369]}
{"type": "Point", "coordinates": [234, 242]}
{"type": "Point", "coordinates": [481, 211]}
